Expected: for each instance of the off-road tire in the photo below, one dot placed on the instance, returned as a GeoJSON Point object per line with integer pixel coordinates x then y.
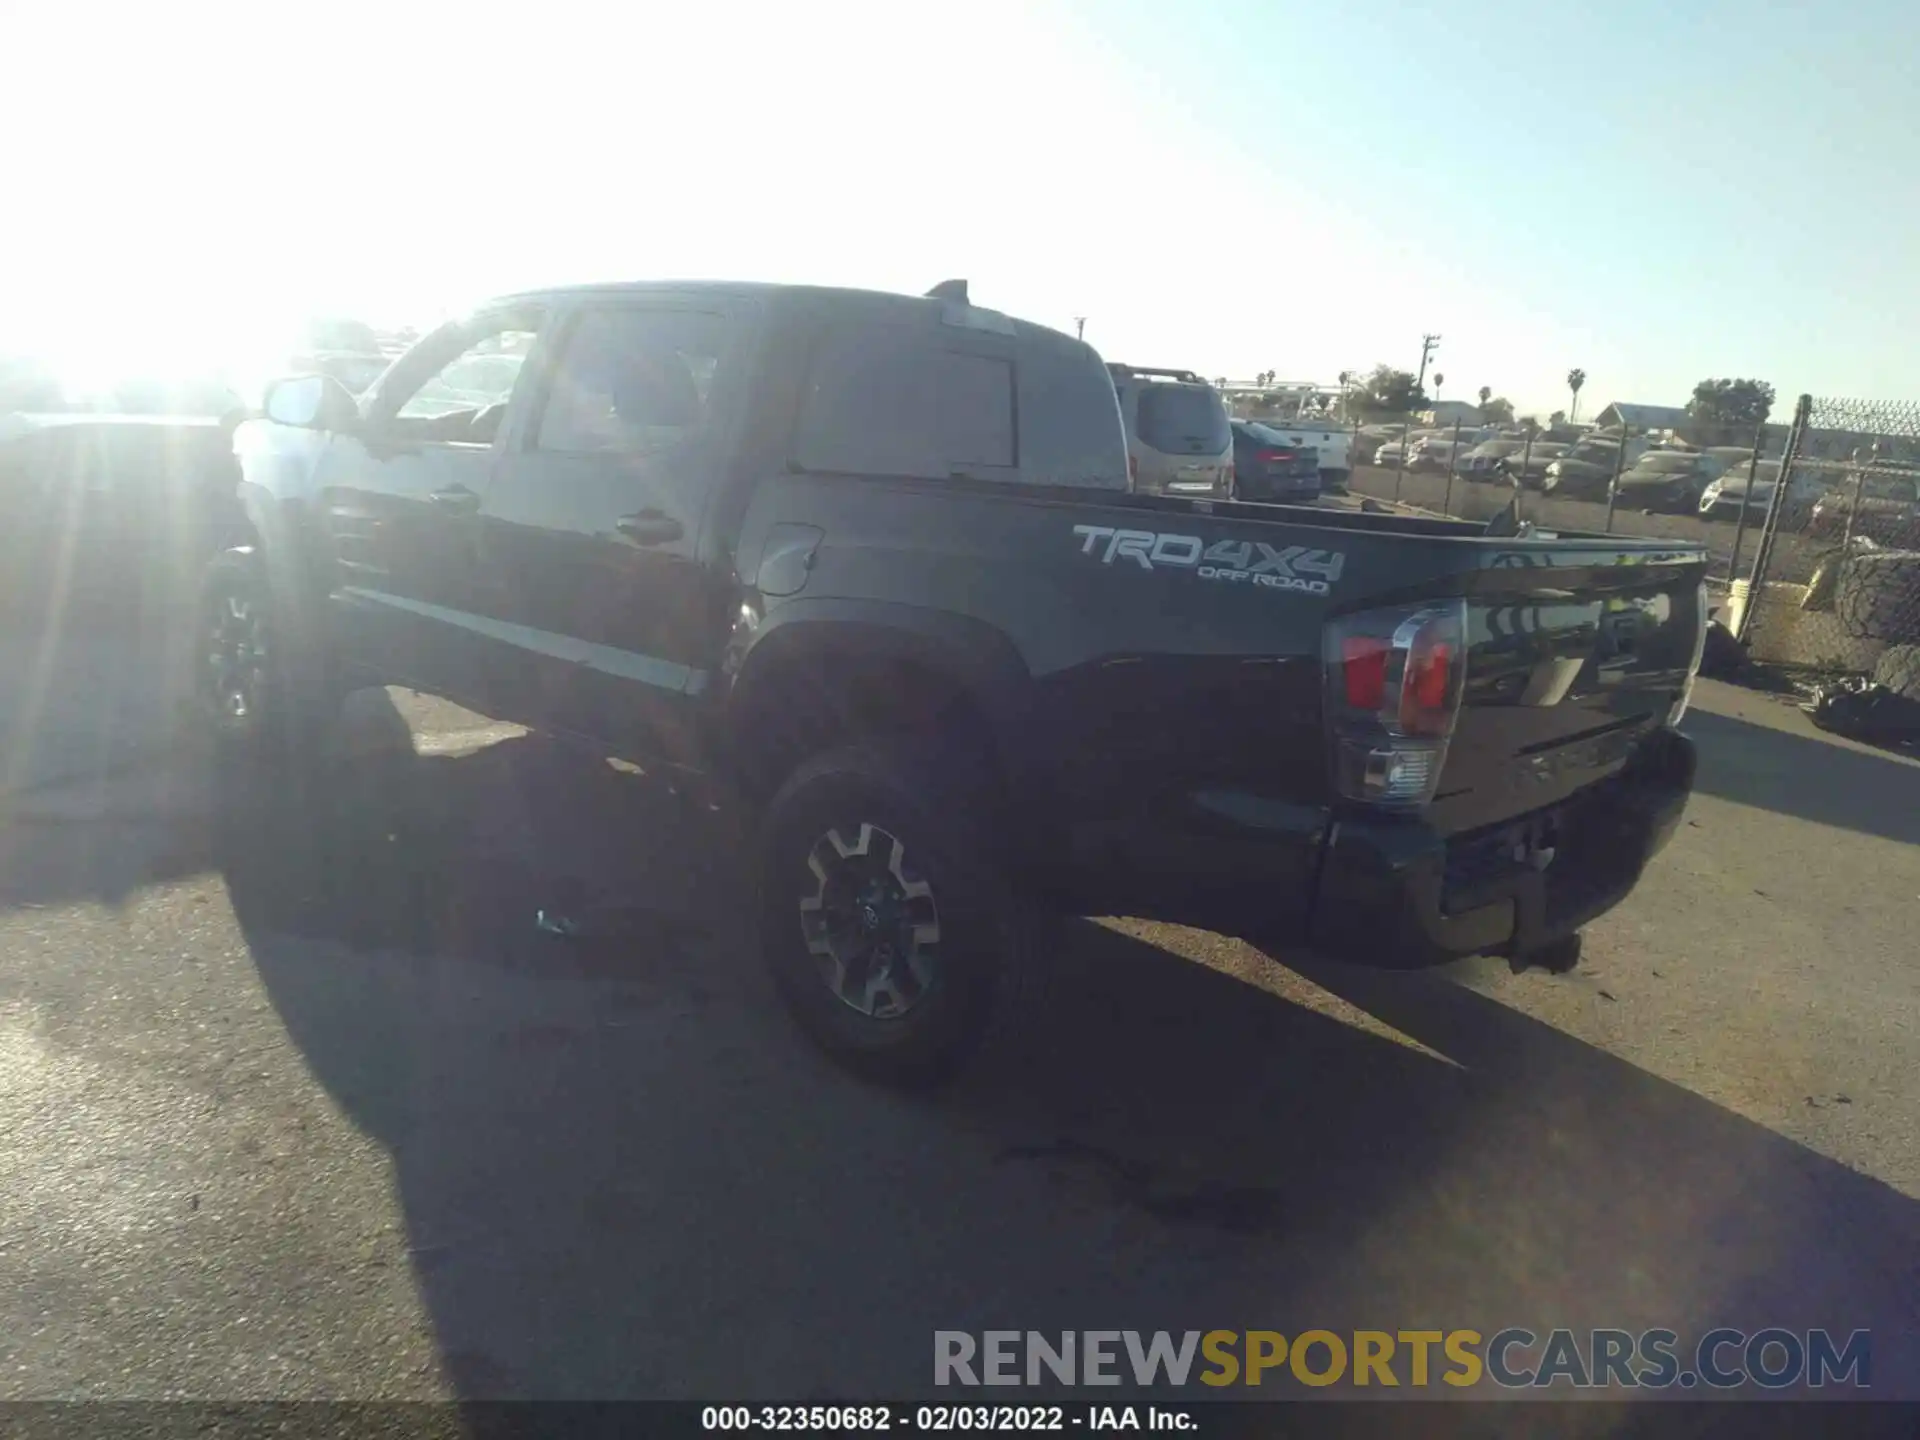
{"type": "Point", "coordinates": [1898, 668]}
{"type": "Point", "coordinates": [292, 700]}
{"type": "Point", "coordinates": [938, 801]}
{"type": "Point", "coordinates": [1878, 596]}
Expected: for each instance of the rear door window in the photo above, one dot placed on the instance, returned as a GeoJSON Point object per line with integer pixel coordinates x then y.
{"type": "Point", "coordinates": [1183, 420]}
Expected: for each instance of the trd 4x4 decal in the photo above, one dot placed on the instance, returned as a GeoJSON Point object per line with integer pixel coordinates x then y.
{"type": "Point", "coordinates": [1241, 562]}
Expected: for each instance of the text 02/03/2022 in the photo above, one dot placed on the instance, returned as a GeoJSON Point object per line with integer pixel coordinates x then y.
{"type": "Point", "coordinates": [843, 1419]}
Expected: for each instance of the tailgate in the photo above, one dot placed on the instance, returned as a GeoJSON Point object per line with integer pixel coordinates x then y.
{"type": "Point", "coordinates": [1572, 657]}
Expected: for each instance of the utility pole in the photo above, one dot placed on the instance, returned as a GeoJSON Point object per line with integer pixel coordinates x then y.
{"type": "Point", "coordinates": [1428, 343]}
{"type": "Point", "coordinates": [1079, 327]}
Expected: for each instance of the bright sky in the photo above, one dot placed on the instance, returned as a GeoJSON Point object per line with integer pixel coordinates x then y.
{"type": "Point", "coordinates": [1655, 192]}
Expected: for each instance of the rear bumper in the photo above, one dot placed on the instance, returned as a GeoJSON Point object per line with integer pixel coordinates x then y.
{"type": "Point", "coordinates": [1400, 895]}
{"type": "Point", "coordinates": [1389, 892]}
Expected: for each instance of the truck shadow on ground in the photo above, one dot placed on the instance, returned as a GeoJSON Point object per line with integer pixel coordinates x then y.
{"type": "Point", "coordinates": [1808, 776]}
{"type": "Point", "coordinates": [623, 1174]}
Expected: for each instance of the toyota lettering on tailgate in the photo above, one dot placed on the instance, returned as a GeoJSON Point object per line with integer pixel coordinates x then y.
{"type": "Point", "coordinates": [1243, 562]}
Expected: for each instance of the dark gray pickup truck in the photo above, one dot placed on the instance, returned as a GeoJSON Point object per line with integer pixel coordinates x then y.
{"type": "Point", "coordinates": [872, 560]}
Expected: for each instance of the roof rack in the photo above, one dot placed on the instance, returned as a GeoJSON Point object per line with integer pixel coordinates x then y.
{"type": "Point", "coordinates": [1185, 376]}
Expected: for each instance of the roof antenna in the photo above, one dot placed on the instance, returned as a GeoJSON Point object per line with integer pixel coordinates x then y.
{"type": "Point", "coordinates": [955, 290]}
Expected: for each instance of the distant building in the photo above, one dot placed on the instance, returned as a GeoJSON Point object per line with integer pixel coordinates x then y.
{"type": "Point", "coordinates": [1678, 422]}
{"type": "Point", "coordinates": [1445, 412]}
{"type": "Point", "coordinates": [1642, 417]}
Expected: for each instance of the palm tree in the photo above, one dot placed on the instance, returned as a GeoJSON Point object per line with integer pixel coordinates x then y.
{"type": "Point", "coordinates": [1576, 377]}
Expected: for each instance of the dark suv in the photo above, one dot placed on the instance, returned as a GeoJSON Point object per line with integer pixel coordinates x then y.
{"type": "Point", "coordinates": [1268, 466]}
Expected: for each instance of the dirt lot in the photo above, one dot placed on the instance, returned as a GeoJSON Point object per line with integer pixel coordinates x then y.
{"type": "Point", "coordinates": [1794, 555]}
{"type": "Point", "coordinates": [309, 1105]}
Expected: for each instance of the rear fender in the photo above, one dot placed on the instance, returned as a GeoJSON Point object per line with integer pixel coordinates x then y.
{"type": "Point", "coordinates": [980, 660]}
{"type": "Point", "coordinates": [277, 469]}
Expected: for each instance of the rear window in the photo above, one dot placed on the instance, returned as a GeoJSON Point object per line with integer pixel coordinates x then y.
{"type": "Point", "coordinates": [1268, 436]}
{"type": "Point", "coordinates": [1183, 419]}
{"type": "Point", "coordinates": [889, 401]}
{"type": "Point", "coordinates": [921, 401]}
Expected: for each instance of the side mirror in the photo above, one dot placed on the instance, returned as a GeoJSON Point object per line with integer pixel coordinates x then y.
{"type": "Point", "coordinates": [310, 402]}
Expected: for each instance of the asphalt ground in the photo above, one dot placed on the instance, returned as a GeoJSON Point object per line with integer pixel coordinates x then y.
{"type": "Point", "coordinates": [302, 1102]}
{"type": "Point", "coordinates": [1794, 555]}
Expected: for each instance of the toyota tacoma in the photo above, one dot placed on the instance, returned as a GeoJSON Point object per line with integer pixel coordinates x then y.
{"type": "Point", "coordinates": [873, 562]}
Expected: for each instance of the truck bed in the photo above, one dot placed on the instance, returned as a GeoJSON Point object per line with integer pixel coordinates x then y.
{"type": "Point", "coordinates": [1170, 727]}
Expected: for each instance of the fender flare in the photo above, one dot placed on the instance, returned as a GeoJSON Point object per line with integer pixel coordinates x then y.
{"type": "Point", "coordinates": [279, 541]}
{"type": "Point", "coordinates": [980, 658]}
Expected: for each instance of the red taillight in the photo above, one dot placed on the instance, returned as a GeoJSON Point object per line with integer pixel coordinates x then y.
{"type": "Point", "coordinates": [1363, 667]}
{"type": "Point", "coordinates": [1423, 693]}
{"type": "Point", "coordinates": [1274, 456]}
{"type": "Point", "coordinates": [1395, 682]}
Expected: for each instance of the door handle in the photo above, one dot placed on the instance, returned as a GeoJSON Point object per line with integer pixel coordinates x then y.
{"type": "Point", "coordinates": [649, 527]}
{"type": "Point", "coordinates": [456, 498]}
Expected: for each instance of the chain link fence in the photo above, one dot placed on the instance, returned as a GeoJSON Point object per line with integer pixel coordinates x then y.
{"type": "Point", "coordinates": [1846, 518]}
{"type": "Point", "coordinates": [1811, 520]}
{"type": "Point", "coordinates": [1703, 484]}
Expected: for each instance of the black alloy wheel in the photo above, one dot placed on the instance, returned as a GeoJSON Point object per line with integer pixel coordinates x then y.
{"type": "Point", "coordinates": [887, 916]}
{"type": "Point", "coordinates": [236, 651]}
{"type": "Point", "coordinates": [871, 923]}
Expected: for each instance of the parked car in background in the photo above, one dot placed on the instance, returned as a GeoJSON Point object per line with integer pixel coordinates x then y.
{"type": "Point", "coordinates": [338, 335]}
{"type": "Point", "coordinates": [1889, 507]}
{"type": "Point", "coordinates": [1179, 441]}
{"type": "Point", "coordinates": [1586, 470]}
{"type": "Point", "coordinates": [1391, 453]}
{"type": "Point", "coordinates": [115, 512]}
{"type": "Point", "coordinates": [1670, 481]}
{"type": "Point", "coordinates": [1368, 439]}
{"type": "Point", "coordinates": [1731, 457]}
{"type": "Point", "coordinates": [1527, 466]}
{"type": "Point", "coordinates": [1481, 462]}
{"type": "Point", "coordinates": [357, 370]}
{"type": "Point", "coordinates": [1269, 466]}
{"type": "Point", "coordinates": [1434, 453]}
{"type": "Point", "coordinates": [1728, 491]}
{"type": "Point", "coordinates": [1722, 498]}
